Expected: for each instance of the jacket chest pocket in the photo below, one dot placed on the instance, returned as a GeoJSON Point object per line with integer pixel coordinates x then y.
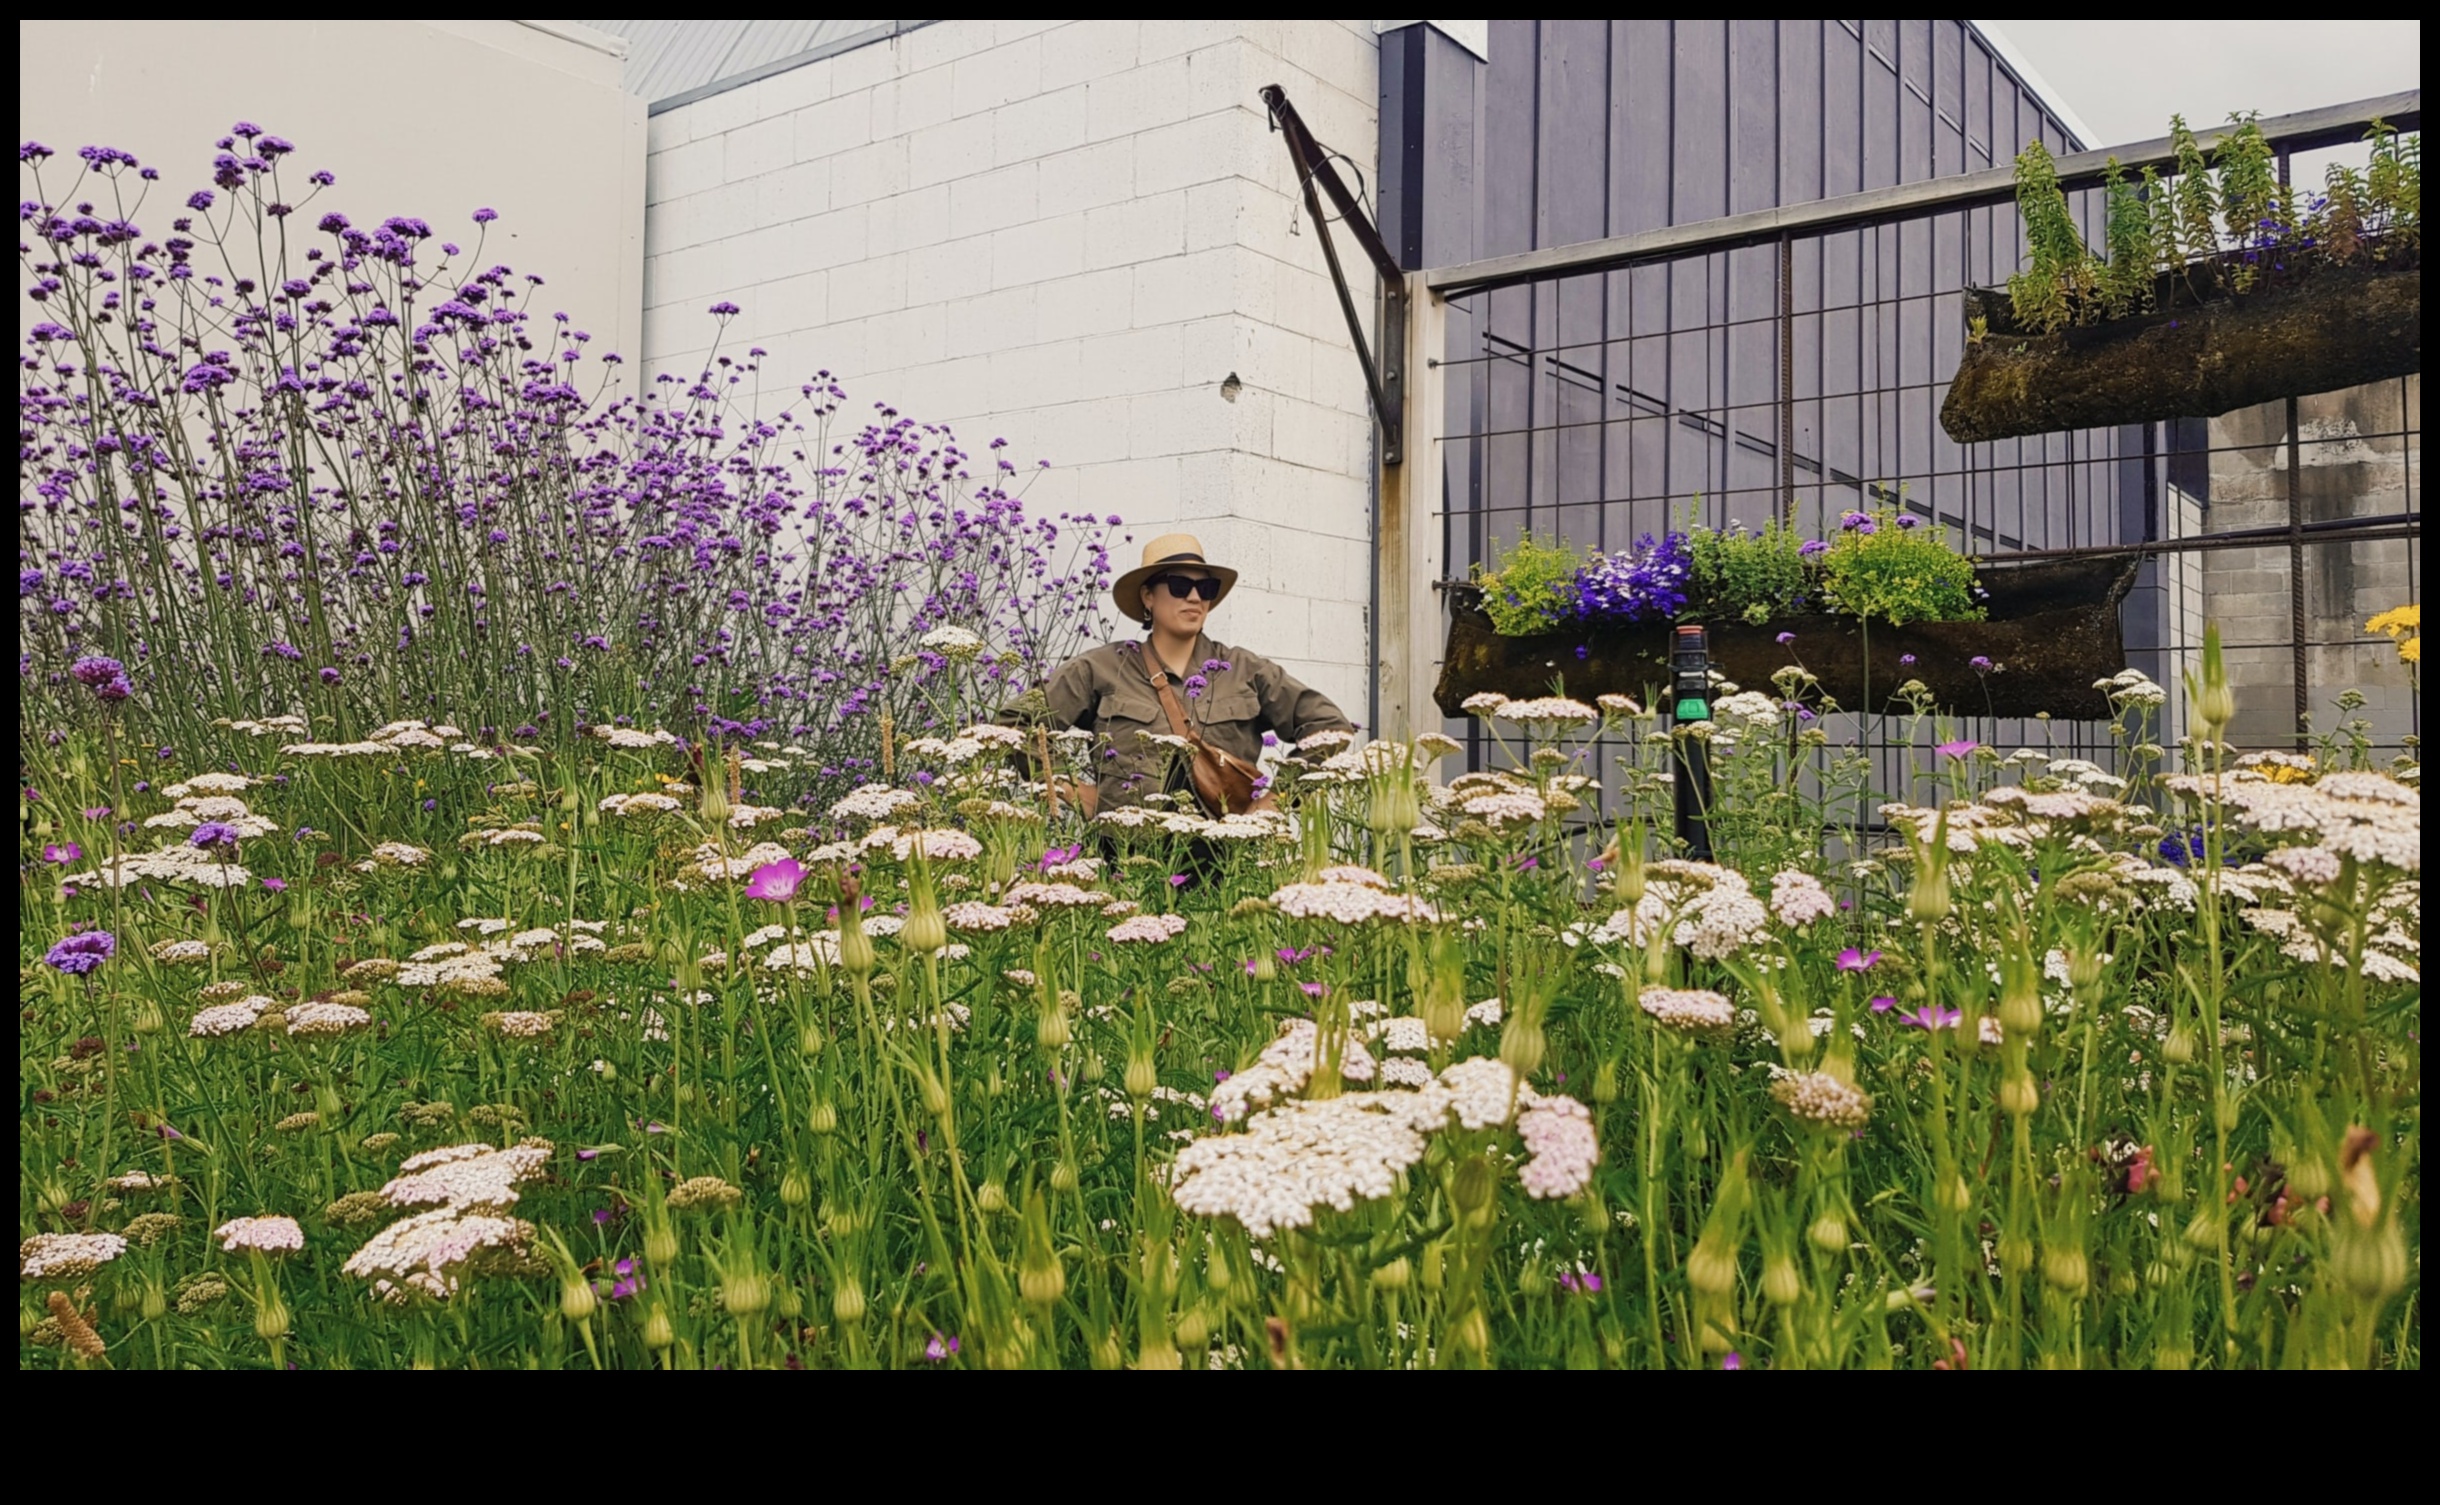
{"type": "Point", "coordinates": [1234, 706]}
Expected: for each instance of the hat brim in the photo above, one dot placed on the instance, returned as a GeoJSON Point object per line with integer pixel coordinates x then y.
{"type": "Point", "coordinates": [1128, 592]}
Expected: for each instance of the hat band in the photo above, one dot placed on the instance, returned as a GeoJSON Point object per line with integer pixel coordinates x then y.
{"type": "Point", "coordinates": [1175, 558]}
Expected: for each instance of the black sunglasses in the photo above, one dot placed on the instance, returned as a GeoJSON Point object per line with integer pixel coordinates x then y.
{"type": "Point", "coordinates": [1207, 588]}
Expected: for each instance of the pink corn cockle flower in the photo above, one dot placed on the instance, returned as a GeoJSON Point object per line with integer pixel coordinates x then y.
{"type": "Point", "coordinates": [1883, 1003]}
{"type": "Point", "coordinates": [776, 881]}
{"type": "Point", "coordinates": [938, 1349]}
{"type": "Point", "coordinates": [1932, 1016]}
{"type": "Point", "coordinates": [66, 851]}
{"type": "Point", "coordinates": [1958, 749]}
{"type": "Point", "coordinates": [1852, 960]}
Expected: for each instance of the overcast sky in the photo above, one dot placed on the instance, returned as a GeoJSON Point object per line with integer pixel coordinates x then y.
{"type": "Point", "coordinates": [2126, 77]}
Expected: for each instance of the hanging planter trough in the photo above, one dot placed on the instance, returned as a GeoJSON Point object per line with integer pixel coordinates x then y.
{"type": "Point", "coordinates": [2052, 630]}
{"type": "Point", "coordinates": [2336, 327]}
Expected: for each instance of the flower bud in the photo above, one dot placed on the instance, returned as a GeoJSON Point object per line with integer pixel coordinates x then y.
{"type": "Point", "coordinates": [2179, 1049]}
{"type": "Point", "coordinates": [1605, 1083]}
{"type": "Point", "coordinates": [2372, 1262]}
{"type": "Point", "coordinates": [1712, 1268]}
{"type": "Point", "coordinates": [1928, 900]}
{"type": "Point", "coordinates": [1435, 1265]}
{"type": "Point", "coordinates": [715, 806]}
{"type": "Point", "coordinates": [1472, 1186]}
{"type": "Point", "coordinates": [1522, 1045]}
{"type": "Point", "coordinates": [2064, 1266]}
{"type": "Point", "coordinates": [2020, 999]}
{"type": "Point", "coordinates": [2083, 966]}
{"type": "Point", "coordinates": [271, 1318]}
{"type": "Point", "coordinates": [991, 1197]}
{"type": "Point", "coordinates": [659, 1331]}
{"type": "Point", "coordinates": [1142, 1076]}
{"type": "Point", "coordinates": [155, 1302]}
{"type": "Point", "coordinates": [1394, 1275]}
{"type": "Point", "coordinates": [2207, 1231]}
{"type": "Point", "coordinates": [2018, 1095]}
{"type": "Point", "coordinates": [1092, 1071]}
{"type": "Point", "coordinates": [2308, 1176]}
{"type": "Point", "coordinates": [1160, 1355]}
{"type": "Point", "coordinates": [145, 1017]}
{"type": "Point", "coordinates": [1473, 1330]}
{"type": "Point", "coordinates": [855, 947]}
{"type": "Point", "coordinates": [935, 1096]}
{"type": "Point", "coordinates": [1194, 1329]}
{"type": "Point", "coordinates": [576, 1298]}
{"type": "Point", "coordinates": [1829, 1233]}
{"type": "Point", "coordinates": [1266, 967]}
{"type": "Point", "coordinates": [2225, 1110]}
{"type": "Point", "coordinates": [744, 1292]}
{"type": "Point", "coordinates": [824, 1119]}
{"type": "Point", "coordinates": [925, 931]}
{"type": "Point", "coordinates": [661, 1245]}
{"type": "Point", "coordinates": [1781, 1284]}
{"type": "Point", "coordinates": [1051, 1029]}
{"type": "Point", "coordinates": [795, 1188]}
{"type": "Point", "coordinates": [809, 1041]}
{"type": "Point", "coordinates": [2356, 1173]}
{"type": "Point", "coordinates": [2015, 1253]}
{"type": "Point", "coordinates": [1953, 1195]}
{"type": "Point", "coordinates": [1063, 1177]}
{"type": "Point", "coordinates": [847, 1302]}
{"type": "Point", "coordinates": [1044, 1282]}
{"type": "Point", "coordinates": [1533, 1281]}
{"type": "Point", "coordinates": [1107, 1355]}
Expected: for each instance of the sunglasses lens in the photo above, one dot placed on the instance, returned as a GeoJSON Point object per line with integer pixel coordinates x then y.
{"type": "Point", "coordinates": [1181, 587]}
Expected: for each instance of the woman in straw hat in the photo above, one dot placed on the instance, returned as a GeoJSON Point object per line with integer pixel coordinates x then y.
{"type": "Point", "coordinates": [1227, 698]}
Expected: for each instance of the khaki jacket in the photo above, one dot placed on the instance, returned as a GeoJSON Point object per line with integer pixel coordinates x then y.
{"type": "Point", "coordinates": [1105, 691]}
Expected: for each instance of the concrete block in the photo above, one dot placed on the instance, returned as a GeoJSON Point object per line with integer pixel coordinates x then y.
{"type": "Point", "coordinates": [1081, 51]}
{"type": "Point", "coordinates": [1192, 151]}
{"type": "Point", "coordinates": [1177, 423]}
{"type": "Point", "coordinates": [668, 130]}
{"type": "Point", "coordinates": [798, 191]}
{"type": "Point", "coordinates": [943, 42]}
{"type": "Point", "coordinates": [700, 218]}
{"type": "Point", "coordinates": [826, 240]}
{"type": "Point", "coordinates": [1087, 433]}
{"type": "Point", "coordinates": [758, 148]}
{"type": "Point", "coordinates": [790, 303]}
{"type": "Point", "coordinates": [906, 221]}
{"type": "Point", "coordinates": [682, 170]}
{"type": "Point", "coordinates": [1131, 363]}
{"type": "Point", "coordinates": [869, 67]}
{"type": "Point", "coordinates": [992, 200]}
{"type": "Point", "coordinates": [1042, 251]}
{"type": "Point", "coordinates": [1221, 77]}
{"type": "Point", "coordinates": [991, 322]}
{"type": "Point", "coordinates": [1088, 177]}
{"type": "Point", "coordinates": [864, 173]}
{"type": "Point", "coordinates": [999, 75]}
{"type": "Point", "coordinates": [1039, 126]}
{"type": "Point", "coordinates": [1121, 104]}
{"type": "Point", "coordinates": [1179, 288]}
{"type": "Point", "coordinates": [917, 101]}
{"type": "Point", "coordinates": [914, 336]}
{"type": "Point", "coordinates": [872, 285]}
{"type": "Point", "coordinates": [1094, 303]}
{"type": "Point", "coordinates": [719, 113]}
{"type": "Point", "coordinates": [1036, 376]}
{"type": "Point", "coordinates": [806, 84]}
{"type": "Point", "coordinates": [952, 149]}
{"type": "Point", "coordinates": [833, 126]}
{"type": "Point", "coordinates": [1138, 230]}
{"type": "Point", "coordinates": [949, 271]}
{"type": "Point", "coordinates": [1173, 38]}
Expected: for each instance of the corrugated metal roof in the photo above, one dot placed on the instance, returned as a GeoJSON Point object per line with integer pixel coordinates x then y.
{"type": "Point", "coordinates": [674, 62]}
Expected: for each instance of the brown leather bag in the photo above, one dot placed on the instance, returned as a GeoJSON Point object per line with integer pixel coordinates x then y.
{"type": "Point", "coordinates": [1223, 783]}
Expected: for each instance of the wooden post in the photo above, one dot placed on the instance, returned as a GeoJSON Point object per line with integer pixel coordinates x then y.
{"type": "Point", "coordinates": [1412, 505]}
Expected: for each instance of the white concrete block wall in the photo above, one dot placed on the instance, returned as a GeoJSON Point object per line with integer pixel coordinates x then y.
{"type": "Point", "coordinates": [1067, 234]}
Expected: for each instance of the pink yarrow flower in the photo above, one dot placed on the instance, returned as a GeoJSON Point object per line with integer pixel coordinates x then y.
{"type": "Point", "coordinates": [1852, 960]}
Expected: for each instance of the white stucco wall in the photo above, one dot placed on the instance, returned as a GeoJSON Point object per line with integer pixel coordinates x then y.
{"type": "Point", "coordinates": [433, 119]}
{"type": "Point", "coordinates": [1067, 234]}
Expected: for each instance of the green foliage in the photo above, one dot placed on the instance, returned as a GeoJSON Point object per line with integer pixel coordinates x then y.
{"type": "Point", "coordinates": [1747, 577]}
{"type": "Point", "coordinates": [1534, 589]}
{"type": "Point", "coordinates": [1881, 570]}
{"type": "Point", "coordinates": [2058, 268]}
{"type": "Point", "coordinates": [2126, 284]}
{"type": "Point", "coordinates": [2230, 210]}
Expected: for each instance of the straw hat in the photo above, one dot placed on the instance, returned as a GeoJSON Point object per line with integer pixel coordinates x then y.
{"type": "Point", "coordinates": [1166, 550]}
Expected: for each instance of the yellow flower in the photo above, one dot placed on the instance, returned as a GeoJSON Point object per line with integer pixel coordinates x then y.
{"type": "Point", "coordinates": [2398, 621]}
{"type": "Point", "coordinates": [2411, 651]}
